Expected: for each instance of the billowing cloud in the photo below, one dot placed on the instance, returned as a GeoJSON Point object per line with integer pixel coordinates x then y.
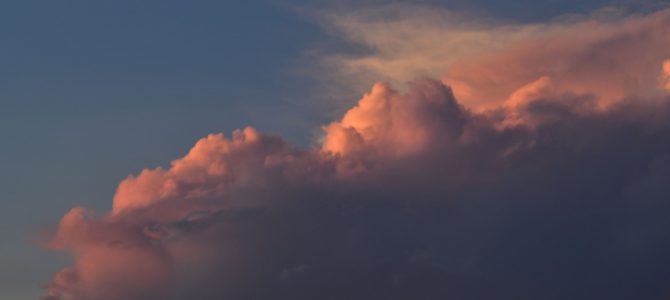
{"type": "Point", "coordinates": [214, 166]}
{"type": "Point", "coordinates": [589, 57]}
{"type": "Point", "coordinates": [396, 125]}
{"type": "Point", "coordinates": [558, 189]}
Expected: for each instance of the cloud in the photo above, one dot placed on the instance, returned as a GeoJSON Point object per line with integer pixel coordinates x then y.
{"type": "Point", "coordinates": [665, 75]}
{"type": "Point", "coordinates": [112, 261]}
{"type": "Point", "coordinates": [557, 189]}
{"type": "Point", "coordinates": [213, 166]}
{"type": "Point", "coordinates": [396, 125]}
{"type": "Point", "coordinates": [610, 53]}
{"type": "Point", "coordinates": [466, 207]}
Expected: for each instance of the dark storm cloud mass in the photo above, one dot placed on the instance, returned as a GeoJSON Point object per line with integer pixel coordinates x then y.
{"type": "Point", "coordinates": [554, 194]}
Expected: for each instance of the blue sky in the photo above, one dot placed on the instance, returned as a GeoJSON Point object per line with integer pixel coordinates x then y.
{"type": "Point", "coordinates": [91, 91]}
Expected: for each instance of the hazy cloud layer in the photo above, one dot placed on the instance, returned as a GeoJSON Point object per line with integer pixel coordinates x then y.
{"type": "Point", "coordinates": [611, 52]}
{"type": "Point", "coordinates": [558, 189]}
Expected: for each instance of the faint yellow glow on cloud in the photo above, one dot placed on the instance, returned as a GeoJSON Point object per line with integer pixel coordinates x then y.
{"type": "Point", "coordinates": [665, 77]}
{"type": "Point", "coordinates": [407, 41]}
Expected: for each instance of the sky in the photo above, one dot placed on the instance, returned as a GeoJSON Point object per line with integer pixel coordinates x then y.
{"type": "Point", "coordinates": [342, 150]}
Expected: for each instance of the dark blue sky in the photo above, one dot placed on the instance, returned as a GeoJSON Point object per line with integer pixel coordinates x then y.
{"type": "Point", "coordinates": [91, 91]}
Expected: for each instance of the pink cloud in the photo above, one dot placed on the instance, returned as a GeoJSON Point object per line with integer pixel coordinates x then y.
{"type": "Point", "coordinates": [217, 165]}
{"type": "Point", "coordinates": [411, 193]}
{"type": "Point", "coordinates": [391, 124]}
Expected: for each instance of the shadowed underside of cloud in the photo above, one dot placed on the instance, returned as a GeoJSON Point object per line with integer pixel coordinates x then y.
{"type": "Point", "coordinates": [556, 192]}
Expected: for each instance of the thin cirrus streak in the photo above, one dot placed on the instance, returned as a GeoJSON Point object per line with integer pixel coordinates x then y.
{"type": "Point", "coordinates": [558, 189]}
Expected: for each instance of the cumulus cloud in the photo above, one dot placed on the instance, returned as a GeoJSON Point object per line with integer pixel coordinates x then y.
{"type": "Point", "coordinates": [212, 167]}
{"type": "Point", "coordinates": [556, 190]}
{"type": "Point", "coordinates": [395, 124]}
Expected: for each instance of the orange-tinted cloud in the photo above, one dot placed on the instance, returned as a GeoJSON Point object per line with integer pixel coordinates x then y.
{"type": "Point", "coordinates": [245, 210]}
{"type": "Point", "coordinates": [392, 124]}
{"type": "Point", "coordinates": [112, 261]}
{"type": "Point", "coordinates": [665, 75]}
{"type": "Point", "coordinates": [216, 165]}
{"type": "Point", "coordinates": [416, 194]}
